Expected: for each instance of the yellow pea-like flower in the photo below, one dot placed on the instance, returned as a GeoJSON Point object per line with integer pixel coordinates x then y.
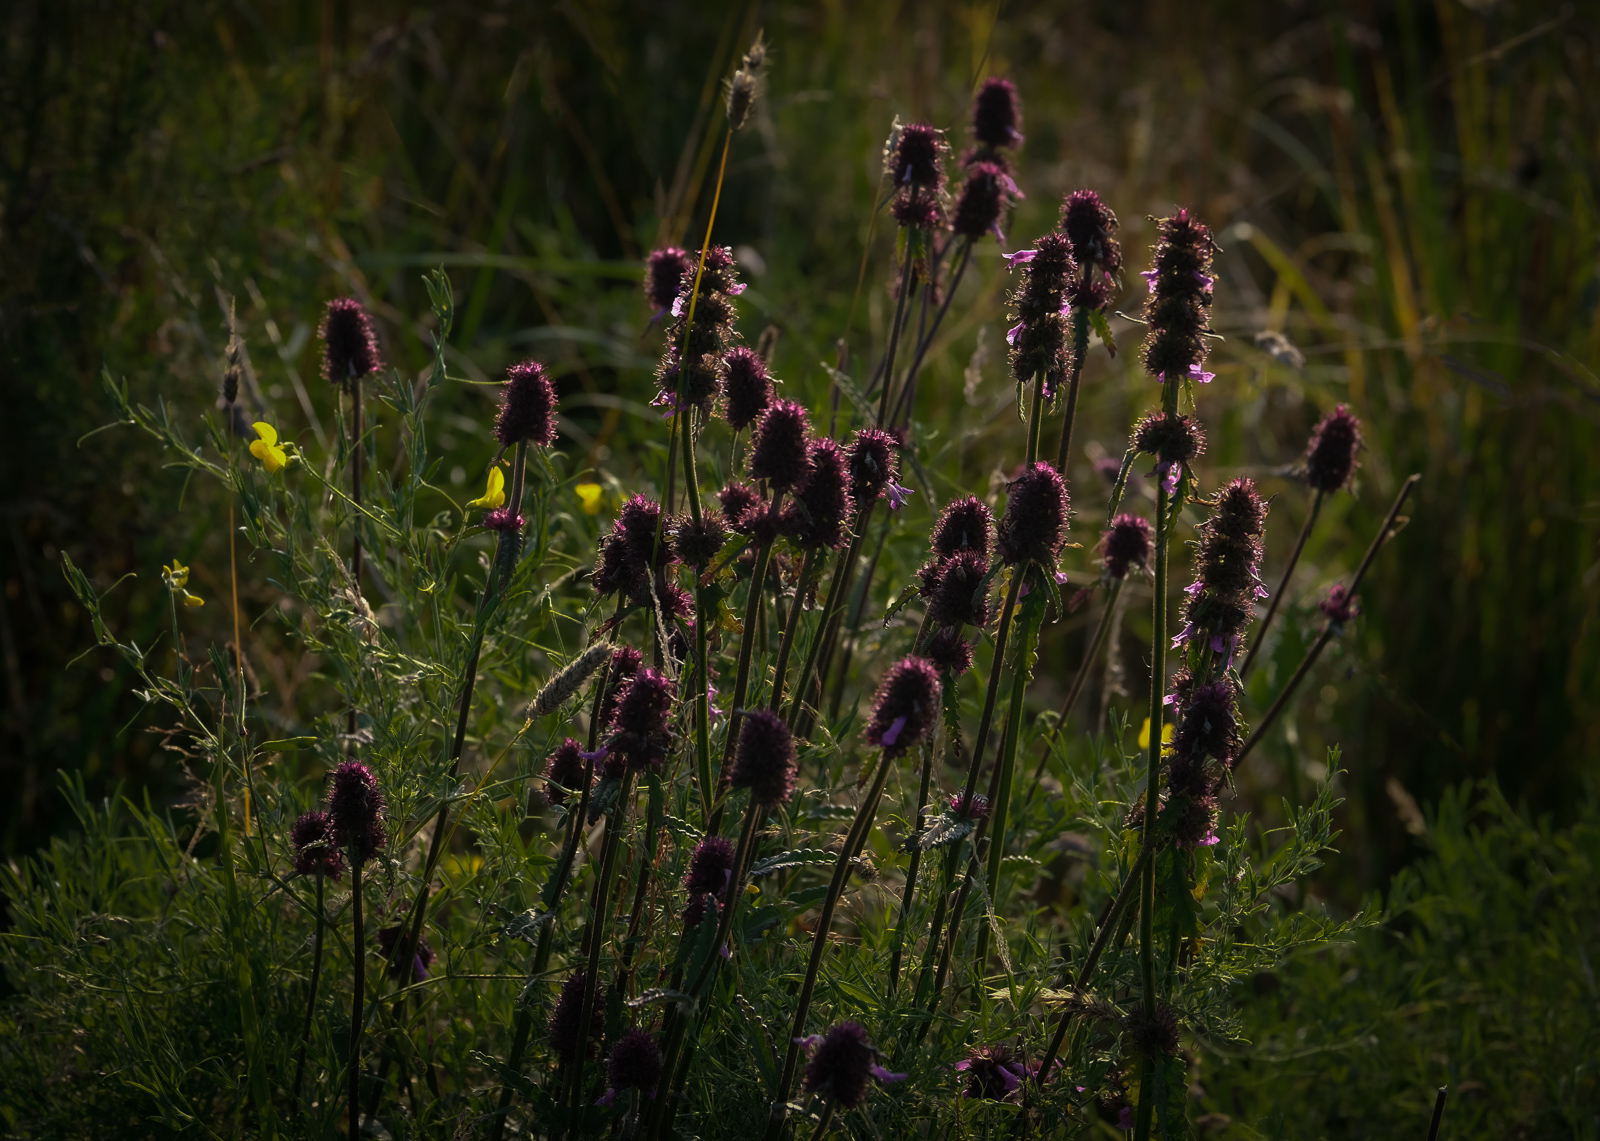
{"type": "Point", "coordinates": [590, 495]}
{"type": "Point", "coordinates": [494, 495]}
{"type": "Point", "coordinates": [266, 449]}
{"type": "Point", "coordinates": [192, 600]}
{"type": "Point", "coordinates": [176, 576]}
{"type": "Point", "coordinates": [1167, 730]}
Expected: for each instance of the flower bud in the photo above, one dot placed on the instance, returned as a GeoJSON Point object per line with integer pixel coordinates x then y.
{"type": "Point", "coordinates": [965, 525]}
{"type": "Point", "coordinates": [746, 387]}
{"type": "Point", "coordinates": [778, 452]}
{"type": "Point", "coordinates": [1126, 544]}
{"type": "Point", "coordinates": [663, 276]}
{"type": "Point", "coordinates": [356, 807]}
{"type": "Point", "coordinates": [1331, 452]}
{"type": "Point", "coordinates": [997, 114]}
{"type": "Point", "coordinates": [316, 849]}
{"type": "Point", "coordinates": [819, 513]}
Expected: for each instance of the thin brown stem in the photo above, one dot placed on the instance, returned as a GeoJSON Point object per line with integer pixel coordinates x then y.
{"type": "Point", "coordinates": [1090, 653]}
{"type": "Point", "coordinates": [357, 996]}
{"type": "Point", "coordinates": [1283, 583]}
{"type": "Point", "coordinates": [311, 998]}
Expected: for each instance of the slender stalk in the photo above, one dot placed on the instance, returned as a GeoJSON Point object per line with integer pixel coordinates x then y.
{"type": "Point", "coordinates": [1035, 415]}
{"type": "Point", "coordinates": [1283, 583]}
{"type": "Point", "coordinates": [1328, 631]}
{"type": "Point", "coordinates": [356, 432]}
{"type": "Point", "coordinates": [887, 370]}
{"type": "Point", "coordinates": [357, 995]}
{"type": "Point", "coordinates": [1080, 346]}
{"type": "Point", "coordinates": [858, 605]}
{"type": "Point", "coordinates": [907, 897]}
{"type": "Point", "coordinates": [831, 609]}
{"type": "Point", "coordinates": [808, 568]}
{"type": "Point", "coordinates": [908, 391]}
{"type": "Point", "coordinates": [1438, 1113]}
{"type": "Point", "coordinates": [825, 1122]}
{"type": "Point", "coordinates": [311, 998]}
{"type": "Point", "coordinates": [1089, 655]}
{"type": "Point", "coordinates": [819, 940]}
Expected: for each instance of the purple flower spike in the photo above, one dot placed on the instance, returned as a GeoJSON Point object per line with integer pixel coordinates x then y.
{"type": "Point", "coordinates": [562, 1030]}
{"type": "Point", "coordinates": [874, 466]}
{"type": "Point", "coordinates": [663, 277]}
{"type": "Point", "coordinates": [949, 652]}
{"type": "Point", "coordinates": [909, 695]}
{"type": "Point", "coordinates": [819, 514]}
{"type": "Point", "coordinates": [1179, 308]}
{"type": "Point", "coordinates": [955, 598]}
{"type": "Point", "coordinates": [639, 727]}
{"type": "Point", "coordinates": [710, 869]}
{"type": "Point", "coordinates": [1034, 526]}
{"type": "Point", "coordinates": [527, 407]}
{"type": "Point", "coordinates": [356, 807]}
{"type": "Point", "coordinates": [350, 343]}
{"type": "Point", "coordinates": [1091, 227]}
{"type": "Point", "coordinates": [1331, 453]}
{"type": "Point", "coordinates": [746, 388]}
{"type": "Point", "coordinates": [316, 849]}
{"type": "Point", "coordinates": [1340, 606]}
{"type": "Point", "coordinates": [565, 772]}
{"type": "Point", "coordinates": [982, 201]}
{"type": "Point", "coordinates": [778, 453]}
{"type": "Point", "coordinates": [1126, 544]}
{"type": "Point", "coordinates": [636, 1062]}
{"type": "Point", "coordinates": [965, 525]}
{"type": "Point", "coordinates": [841, 1063]}
{"type": "Point", "coordinates": [765, 761]}
{"type": "Point", "coordinates": [997, 114]}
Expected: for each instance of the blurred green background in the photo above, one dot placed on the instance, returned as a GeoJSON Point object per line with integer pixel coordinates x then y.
{"type": "Point", "coordinates": [1406, 190]}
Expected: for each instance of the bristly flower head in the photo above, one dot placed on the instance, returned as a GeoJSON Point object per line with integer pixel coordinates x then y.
{"type": "Point", "coordinates": [949, 652]}
{"type": "Point", "coordinates": [778, 453]}
{"type": "Point", "coordinates": [625, 662]}
{"type": "Point", "coordinates": [997, 114]}
{"type": "Point", "coordinates": [1227, 581]}
{"type": "Point", "coordinates": [1126, 544]}
{"type": "Point", "coordinates": [636, 1062]}
{"type": "Point", "coordinates": [841, 1062]}
{"type": "Point", "coordinates": [421, 958]}
{"type": "Point", "coordinates": [994, 1073]}
{"type": "Point", "coordinates": [739, 501]}
{"type": "Point", "coordinates": [639, 726]}
{"type": "Point", "coordinates": [527, 407]}
{"type": "Point", "coordinates": [1208, 726]}
{"type": "Point", "coordinates": [954, 588]}
{"type": "Point", "coordinates": [504, 519]}
{"type": "Point", "coordinates": [565, 772]}
{"type": "Point", "coordinates": [765, 760]}
{"type": "Point", "coordinates": [696, 544]}
{"type": "Point", "coordinates": [562, 1030]}
{"type": "Point", "coordinates": [985, 194]}
{"type": "Point", "coordinates": [874, 465]}
{"type": "Point", "coordinates": [914, 161]}
{"type": "Point", "coordinates": [1331, 452]}
{"type": "Point", "coordinates": [350, 343]}
{"type": "Point", "coordinates": [819, 514]}
{"type": "Point", "coordinates": [977, 810]}
{"type": "Point", "coordinates": [1034, 526]}
{"type": "Point", "coordinates": [906, 706]}
{"type": "Point", "coordinates": [1173, 440]}
{"type": "Point", "coordinates": [1340, 606]}
{"type": "Point", "coordinates": [703, 345]}
{"type": "Point", "coordinates": [965, 525]}
{"type": "Point", "coordinates": [315, 847]}
{"type": "Point", "coordinates": [1090, 226]}
{"type": "Point", "coordinates": [1179, 308]}
{"type": "Point", "coordinates": [1040, 344]}
{"type": "Point", "coordinates": [1154, 1034]}
{"type": "Point", "coordinates": [746, 388]}
{"type": "Point", "coordinates": [663, 277]}
{"type": "Point", "coordinates": [710, 869]}
{"type": "Point", "coordinates": [356, 806]}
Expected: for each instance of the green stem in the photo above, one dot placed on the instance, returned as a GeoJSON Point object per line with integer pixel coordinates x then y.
{"type": "Point", "coordinates": [894, 333]}
{"type": "Point", "coordinates": [357, 996]}
{"type": "Point", "coordinates": [825, 1122]}
{"type": "Point", "coordinates": [908, 391]}
{"type": "Point", "coordinates": [909, 894]}
{"type": "Point", "coordinates": [311, 998]}
{"type": "Point", "coordinates": [831, 610]}
{"type": "Point", "coordinates": [1283, 584]}
{"type": "Point", "coordinates": [1035, 415]}
{"type": "Point", "coordinates": [1080, 346]}
{"type": "Point", "coordinates": [1089, 655]}
{"type": "Point", "coordinates": [808, 568]}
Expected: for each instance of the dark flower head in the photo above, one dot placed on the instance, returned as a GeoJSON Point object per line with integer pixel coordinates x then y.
{"type": "Point", "coordinates": [820, 511]}
{"type": "Point", "coordinates": [663, 276]}
{"type": "Point", "coordinates": [916, 211]}
{"type": "Point", "coordinates": [982, 200]}
{"type": "Point", "coordinates": [917, 157]}
{"type": "Point", "coordinates": [421, 959]}
{"type": "Point", "coordinates": [1227, 582]}
{"type": "Point", "coordinates": [625, 662]}
{"type": "Point", "coordinates": [1179, 307]}
{"type": "Point", "coordinates": [949, 652]}
{"type": "Point", "coordinates": [841, 1062]}
{"type": "Point", "coordinates": [746, 387]}
{"type": "Point", "coordinates": [356, 806]}
{"type": "Point", "coordinates": [1331, 453]}
{"type": "Point", "coordinates": [691, 368]}
{"type": "Point", "coordinates": [1340, 606]}
{"type": "Point", "coordinates": [778, 450]}
{"type": "Point", "coordinates": [874, 465]}
{"type": "Point", "coordinates": [504, 519]}
{"type": "Point", "coordinates": [639, 524]}
{"type": "Point", "coordinates": [977, 810]}
{"type": "Point", "coordinates": [639, 727]}
{"type": "Point", "coordinates": [997, 114]}
{"type": "Point", "coordinates": [965, 525]}
{"type": "Point", "coordinates": [316, 849]}
{"type": "Point", "coordinates": [738, 500]}
{"type": "Point", "coordinates": [765, 761]}
{"type": "Point", "coordinates": [1193, 821]}
{"type": "Point", "coordinates": [1126, 544]}
{"type": "Point", "coordinates": [710, 869]}
{"type": "Point", "coordinates": [611, 572]}
{"type": "Point", "coordinates": [1208, 726]}
{"type": "Point", "coordinates": [958, 596]}
{"type": "Point", "coordinates": [527, 407]}
{"type": "Point", "coordinates": [565, 772]}
{"type": "Point", "coordinates": [350, 344]}
{"type": "Point", "coordinates": [906, 706]}
{"type": "Point", "coordinates": [635, 1062]}
{"type": "Point", "coordinates": [696, 544]}
{"type": "Point", "coordinates": [562, 1030]}
{"type": "Point", "coordinates": [1035, 523]}
{"type": "Point", "coordinates": [1153, 1034]}
{"type": "Point", "coordinates": [1173, 440]}
{"type": "Point", "coordinates": [1040, 342]}
{"type": "Point", "coordinates": [1091, 228]}
{"type": "Point", "coordinates": [994, 1073]}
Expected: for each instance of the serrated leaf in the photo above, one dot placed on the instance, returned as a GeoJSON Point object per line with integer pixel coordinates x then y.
{"type": "Point", "coordinates": [894, 607]}
{"type": "Point", "coordinates": [797, 858]}
{"type": "Point", "coordinates": [807, 898]}
{"type": "Point", "coordinates": [1120, 486]}
{"type": "Point", "coordinates": [527, 924]}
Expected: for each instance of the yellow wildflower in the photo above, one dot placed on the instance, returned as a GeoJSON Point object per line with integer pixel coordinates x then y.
{"type": "Point", "coordinates": [590, 494]}
{"type": "Point", "coordinates": [177, 577]}
{"type": "Point", "coordinates": [266, 449]}
{"type": "Point", "coordinates": [494, 495]}
{"type": "Point", "coordinates": [1167, 731]}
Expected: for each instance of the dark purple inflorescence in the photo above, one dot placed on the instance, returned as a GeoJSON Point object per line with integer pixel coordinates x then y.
{"type": "Point", "coordinates": [316, 849]}
{"type": "Point", "coordinates": [746, 388]}
{"type": "Point", "coordinates": [906, 706]}
{"type": "Point", "coordinates": [915, 165]}
{"type": "Point", "coordinates": [985, 194]}
{"type": "Point", "coordinates": [664, 272]}
{"type": "Point", "coordinates": [996, 117]}
{"type": "Point", "coordinates": [1153, 1034]}
{"type": "Point", "coordinates": [421, 958]}
{"type": "Point", "coordinates": [625, 662]}
{"type": "Point", "coordinates": [356, 806]}
{"type": "Point", "coordinates": [1091, 227]}
{"type": "Point", "coordinates": [977, 810]}
{"type": "Point", "coordinates": [636, 1062]}
{"type": "Point", "coordinates": [1034, 526]}
{"type": "Point", "coordinates": [874, 465]}
{"type": "Point", "coordinates": [639, 727]}
{"type": "Point", "coordinates": [697, 352]}
{"type": "Point", "coordinates": [765, 761]}
{"type": "Point", "coordinates": [740, 502]}
{"type": "Point", "coordinates": [949, 652]}
{"type": "Point", "coordinates": [953, 587]}
{"type": "Point", "coordinates": [965, 525]}
{"type": "Point", "coordinates": [630, 554]}
{"type": "Point", "coordinates": [994, 1073]}
{"type": "Point", "coordinates": [842, 1060]}
{"type": "Point", "coordinates": [1126, 544]}
{"type": "Point", "coordinates": [710, 869]}
{"type": "Point", "coordinates": [779, 451]}
{"type": "Point", "coordinates": [564, 772]}
{"type": "Point", "coordinates": [350, 343]}
{"type": "Point", "coordinates": [1227, 582]}
{"type": "Point", "coordinates": [1340, 606]}
{"type": "Point", "coordinates": [819, 514]}
{"type": "Point", "coordinates": [504, 519]}
{"type": "Point", "coordinates": [696, 544]}
{"type": "Point", "coordinates": [1179, 308]}
{"type": "Point", "coordinates": [1208, 726]}
{"type": "Point", "coordinates": [1040, 344]}
{"type": "Point", "coordinates": [527, 407]}
{"type": "Point", "coordinates": [1173, 440]}
{"type": "Point", "coordinates": [1331, 452]}
{"type": "Point", "coordinates": [562, 1029]}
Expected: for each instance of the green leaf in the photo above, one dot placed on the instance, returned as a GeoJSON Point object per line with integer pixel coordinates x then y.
{"type": "Point", "coordinates": [1102, 328]}
{"type": "Point", "coordinates": [798, 858]}
{"type": "Point", "coordinates": [287, 744]}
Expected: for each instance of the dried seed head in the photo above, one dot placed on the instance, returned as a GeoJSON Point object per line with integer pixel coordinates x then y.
{"type": "Point", "coordinates": [765, 761]}
{"type": "Point", "coordinates": [316, 849]}
{"type": "Point", "coordinates": [527, 407]}
{"type": "Point", "coordinates": [745, 85]}
{"type": "Point", "coordinates": [565, 772]}
{"type": "Point", "coordinates": [1153, 1034]}
{"type": "Point", "coordinates": [1331, 452]}
{"type": "Point", "coordinates": [1034, 526]}
{"type": "Point", "coordinates": [906, 706]}
{"type": "Point", "coordinates": [1126, 544]}
{"type": "Point", "coordinates": [350, 344]}
{"type": "Point", "coordinates": [819, 513]}
{"type": "Point", "coordinates": [746, 388]}
{"type": "Point", "coordinates": [356, 807]}
{"type": "Point", "coordinates": [778, 452]}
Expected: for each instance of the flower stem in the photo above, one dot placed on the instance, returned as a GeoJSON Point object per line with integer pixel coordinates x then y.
{"type": "Point", "coordinates": [1080, 346]}
{"type": "Point", "coordinates": [832, 611]}
{"type": "Point", "coordinates": [1090, 653]}
{"type": "Point", "coordinates": [358, 994]}
{"type": "Point", "coordinates": [825, 1122]}
{"type": "Point", "coordinates": [311, 998]}
{"type": "Point", "coordinates": [887, 370]}
{"type": "Point", "coordinates": [908, 391]}
{"type": "Point", "coordinates": [909, 895]}
{"type": "Point", "coordinates": [1283, 583]}
{"type": "Point", "coordinates": [808, 569]}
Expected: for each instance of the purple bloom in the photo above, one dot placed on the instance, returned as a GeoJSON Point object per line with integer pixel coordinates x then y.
{"type": "Point", "coordinates": [874, 466]}
{"type": "Point", "coordinates": [977, 811]}
{"type": "Point", "coordinates": [778, 452]}
{"type": "Point", "coordinates": [696, 544]}
{"type": "Point", "coordinates": [663, 276]}
{"type": "Point", "coordinates": [746, 388]}
{"type": "Point", "coordinates": [994, 1073]}
{"type": "Point", "coordinates": [356, 807]}
{"type": "Point", "coordinates": [1040, 344]}
{"type": "Point", "coordinates": [1227, 562]}
{"type": "Point", "coordinates": [898, 496]}
{"type": "Point", "coordinates": [1179, 307]}
{"type": "Point", "coordinates": [1331, 452]}
{"type": "Point", "coordinates": [954, 587]}
{"type": "Point", "coordinates": [639, 727]}
{"type": "Point", "coordinates": [625, 662]}
{"type": "Point", "coordinates": [997, 114]}
{"type": "Point", "coordinates": [1034, 526]}
{"type": "Point", "coordinates": [316, 849]}
{"type": "Point", "coordinates": [983, 199]}
{"type": "Point", "coordinates": [765, 761]}
{"type": "Point", "coordinates": [565, 772]}
{"type": "Point", "coordinates": [710, 870]}
{"type": "Point", "coordinates": [917, 158]}
{"type": "Point", "coordinates": [820, 511]}
{"type": "Point", "coordinates": [562, 1029]}
{"type": "Point", "coordinates": [965, 525]}
{"type": "Point", "coordinates": [527, 407]}
{"type": "Point", "coordinates": [1126, 544]}
{"type": "Point", "coordinates": [1090, 226]}
{"type": "Point", "coordinates": [350, 343]}
{"type": "Point", "coordinates": [739, 501]}
{"type": "Point", "coordinates": [504, 519]}
{"type": "Point", "coordinates": [841, 1062]}
{"type": "Point", "coordinates": [906, 706]}
{"type": "Point", "coordinates": [1340, 605]}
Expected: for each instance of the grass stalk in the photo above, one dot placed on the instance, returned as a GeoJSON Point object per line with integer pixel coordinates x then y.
{"type": "Point", "coordinates": [1080, 346]}
{"type": "Point", "coordinates": [311, 998]}
{"type": "Point", "coordinates": [1090, 654]}
{"type": "Point", "coordinates": [1283, 583]}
